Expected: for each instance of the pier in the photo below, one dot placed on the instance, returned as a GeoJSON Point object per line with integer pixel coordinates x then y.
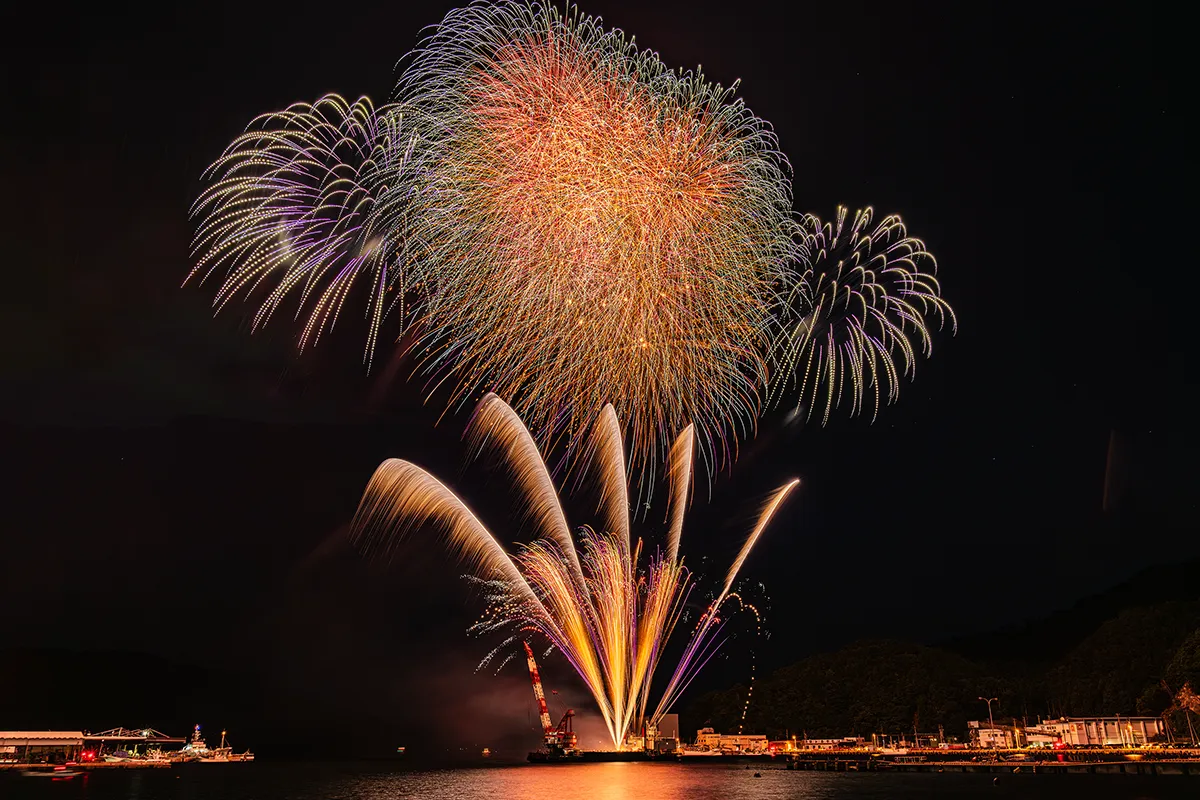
{"type": "Point", "coordinates": [1057, 762]}
{"type": "Point", "coordinates": [1090, 761]}
{"type": "Point", "coordinates": [94, 765]}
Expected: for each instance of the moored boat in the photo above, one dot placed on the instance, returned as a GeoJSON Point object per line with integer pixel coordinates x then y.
{"type": "Point", "coordinates": [199, 752]}
{"type": "Point", "coordinates": [57, 771]}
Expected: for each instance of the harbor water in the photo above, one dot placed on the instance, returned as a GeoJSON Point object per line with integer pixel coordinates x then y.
{"type": "Point", "coordinates": [613, 781]}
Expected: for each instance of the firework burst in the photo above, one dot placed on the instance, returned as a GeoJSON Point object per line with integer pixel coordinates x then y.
{"type": "Point", "coordinates": [607, 610]}
{"type": "Point", "coordinates": [600, 229]}
{"type": "Point", "coordinates": [865, 301]}
{"type": "Point", "coordinates": [291, 208]}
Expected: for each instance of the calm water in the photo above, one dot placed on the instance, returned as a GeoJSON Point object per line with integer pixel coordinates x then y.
{"type": "Point", "coordinates": [265, 781]}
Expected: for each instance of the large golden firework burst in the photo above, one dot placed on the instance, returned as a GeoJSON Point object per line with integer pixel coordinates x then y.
{"type": "Point", "coordinates": [600, 229]}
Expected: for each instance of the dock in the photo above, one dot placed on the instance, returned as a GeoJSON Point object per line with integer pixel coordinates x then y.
{"type": "Point", "coordinates": [1093, 762]}
{"type": "Point", "coordinates": [96, 765]}
{"type": "Point", "coordinates": [1070, 762]}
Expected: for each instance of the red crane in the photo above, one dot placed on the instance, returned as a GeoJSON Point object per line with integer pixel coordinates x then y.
{"type": "Point", "coordinates": [560, 740]}
{"type": "Point", "coordinates": [543, 712]}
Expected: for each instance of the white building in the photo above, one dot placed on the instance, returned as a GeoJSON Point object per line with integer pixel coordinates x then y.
{"type": "Point", "coordinates": [1116, 731]}
{"type": "Point", "coordinates": [734, 743]}
{"type": "Point", "coordinates": [994, 737]}
{"type": "Point", "coordinates": [844, 743]}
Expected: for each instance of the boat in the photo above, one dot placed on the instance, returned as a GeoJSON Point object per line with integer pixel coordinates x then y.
{"type": "Point", "coordinates": [690, 751]}
{"type": "Point", "coordinates": [225, 755]}
{"type": "Point", "coordinates": [60, 772]}
{"type": "Point", "coordinates": [193, 750]}
{"type": "Point", "coordinates": [487, 752]}
{"type": "Point", "coordinates": [158, 754]}
{"type": "Point", "coordinates": [198, 751]}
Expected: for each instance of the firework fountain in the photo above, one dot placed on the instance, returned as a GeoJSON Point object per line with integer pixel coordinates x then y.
{"type": "Point", "coordinates": [608, 610]}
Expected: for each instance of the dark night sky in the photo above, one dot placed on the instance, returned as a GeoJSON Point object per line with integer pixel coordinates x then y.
{"type": "Point", "coordinates": [171, 469]}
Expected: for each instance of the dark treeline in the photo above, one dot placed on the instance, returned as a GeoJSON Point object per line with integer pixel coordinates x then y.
{"type": "Point", "coordinates": [1073, 663]}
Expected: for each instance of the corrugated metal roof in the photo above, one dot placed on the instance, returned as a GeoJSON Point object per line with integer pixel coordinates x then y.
{"type": "Point", "coordinates": [41, 738]}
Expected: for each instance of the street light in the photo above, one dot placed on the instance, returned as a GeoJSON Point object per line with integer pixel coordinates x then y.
{"type": "Point", "coordinates": [991, 724]}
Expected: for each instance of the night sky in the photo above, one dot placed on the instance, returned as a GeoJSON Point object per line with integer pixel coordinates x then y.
{"type": "Point", "coordinates": [178, 488]}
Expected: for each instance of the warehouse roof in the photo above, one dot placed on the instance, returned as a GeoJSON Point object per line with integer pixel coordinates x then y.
{"type": "Point", "coordinates": [41, 738]}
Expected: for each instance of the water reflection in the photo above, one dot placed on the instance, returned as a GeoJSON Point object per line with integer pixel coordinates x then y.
{"type": "Point", "coordinates": [266, 781]}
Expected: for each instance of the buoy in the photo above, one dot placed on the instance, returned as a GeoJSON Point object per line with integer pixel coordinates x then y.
{"type": "Point", "coordinates": [995, 781]}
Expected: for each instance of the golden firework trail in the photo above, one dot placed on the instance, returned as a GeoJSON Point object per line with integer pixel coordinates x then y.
{"type": "Point", "coordinates": [597, 601]}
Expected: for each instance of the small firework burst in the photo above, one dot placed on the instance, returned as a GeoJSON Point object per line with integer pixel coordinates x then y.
{"type": "Point", "coordinates": [291, 208]}
{"type": "Point", "coordinates": [866, 301]}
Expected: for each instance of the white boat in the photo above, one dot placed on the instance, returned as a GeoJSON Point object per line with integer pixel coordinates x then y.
{"type": "Point", "coordinates": [224, 754]}
{"type": "Point", "coordinates": [688, 751]}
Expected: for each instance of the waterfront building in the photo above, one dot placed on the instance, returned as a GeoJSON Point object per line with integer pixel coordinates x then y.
{"type": "Point", "coordinates": [735, 743]}
{"type": "Point", "coordinates": [40, 747]}
{"type": "Point", "coordinates": [844, 743]}
{"type": "Point", "coordinates": [1115, 731]}
{"type": "Point", "coordinates": [992, 736]}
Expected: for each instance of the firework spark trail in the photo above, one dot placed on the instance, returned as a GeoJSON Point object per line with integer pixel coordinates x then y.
{"type": "Point", "coordinates": [865, 296]}
{"type": "Point", "coordinates": [495, 425]}
{"type": "Point", "coordinates": [609, 463]}
{"type": "Point", "coordinates": [291, 205]}
{"type": "Point", "coordinates": [611, 626]}
{"type": "Point", "coordinates": [400, 493]}
{"type": "Point", "coordinates": [701, 647]}
{"type": "Point", "coordinates": [680, 464]}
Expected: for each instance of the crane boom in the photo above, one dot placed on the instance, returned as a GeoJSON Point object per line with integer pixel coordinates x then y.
{"type": "Point", "coordinates": [543, 712]}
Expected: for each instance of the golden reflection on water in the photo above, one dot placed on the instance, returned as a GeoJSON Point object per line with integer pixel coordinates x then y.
{"type": "Point", "coordinates": [619, 781]}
